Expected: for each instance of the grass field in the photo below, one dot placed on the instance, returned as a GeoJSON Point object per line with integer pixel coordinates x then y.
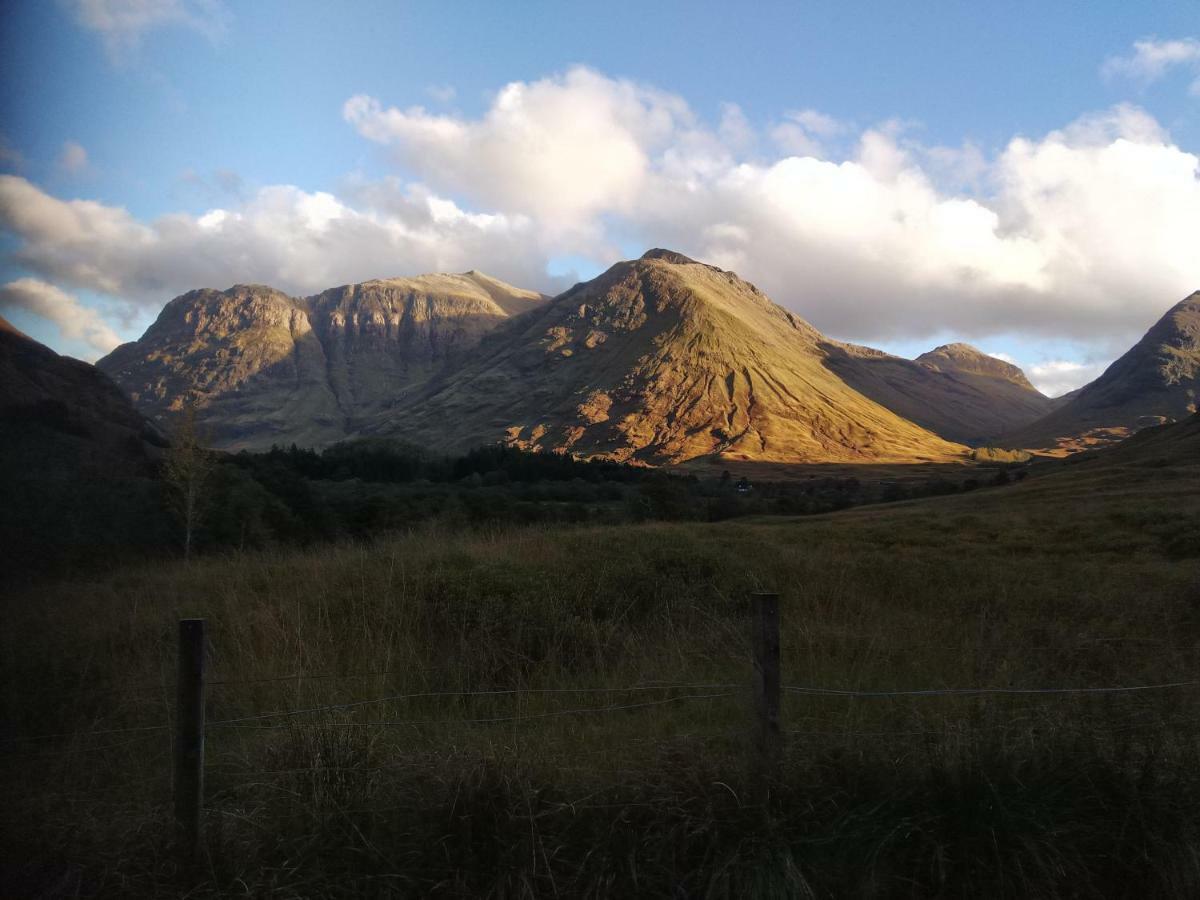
{"type": "Point", "coordinates": [1086, 576]}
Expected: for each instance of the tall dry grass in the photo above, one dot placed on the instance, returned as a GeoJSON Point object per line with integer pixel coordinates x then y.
{"type": "Point", "coordinates": [1041, 585]}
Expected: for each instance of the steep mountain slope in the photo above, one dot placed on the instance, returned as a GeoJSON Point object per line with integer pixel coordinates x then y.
{"type": "Point", "coordinates": [381, 338]}
{"type": "Point", "coordinates": [51, 394]}
{"type": "Point", "coordinates": [660, 359]}
{"type": "Point", "coordinates": [1156, 381]}
{"type": "Point", "coordinates": [266, 368]}
{"type": "Point", "coordinates": [955, 391]}
{"type": "Point", "coordinates": [77, 463]}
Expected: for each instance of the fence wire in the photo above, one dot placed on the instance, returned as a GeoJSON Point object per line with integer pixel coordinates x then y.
{"type": "Point", "coordinates": [940, 692]}
{"type": "Point", "coordinates": [236, 723]}
{"type": "Point", "coordinates": [721, 689]}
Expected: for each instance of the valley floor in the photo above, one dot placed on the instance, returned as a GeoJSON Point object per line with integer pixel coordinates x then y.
{"type": "Point", "coordinates": [581, 725]}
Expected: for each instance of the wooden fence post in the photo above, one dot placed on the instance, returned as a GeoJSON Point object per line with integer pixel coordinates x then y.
{"type": "Point", "coordinates": [764, 614]}
{"type": "Point", "coordinates": [189, 737]}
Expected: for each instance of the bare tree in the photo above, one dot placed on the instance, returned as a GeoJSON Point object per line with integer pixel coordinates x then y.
{"type": "Point", "coordinates": [186, 468]}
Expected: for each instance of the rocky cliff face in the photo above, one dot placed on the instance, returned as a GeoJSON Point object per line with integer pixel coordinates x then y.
{"type": "Point", "coordinates": [660, 359]}
{"type": "Point", "coordinates": [955, 390]}
{"type": "Point", "coordinates": [1157, 381]}
{"type": "Point", "coordinates": [264, 368]}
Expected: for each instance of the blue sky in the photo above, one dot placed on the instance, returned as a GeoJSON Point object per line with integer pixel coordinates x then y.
{"type": "Point", "coordinates": [773, 142]}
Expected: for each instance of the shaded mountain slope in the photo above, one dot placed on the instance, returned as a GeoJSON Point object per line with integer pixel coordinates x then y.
{"type": "Point", "coordinates": [1174, 444]}
{"type": "Point", "coordinates": [264, 368]}
{"type": "Point", "coordinates": [44, 392]}
{"type": "Point", "coordinates": [1155, 381]}
{"type": "Point", "coordinates": [660, 359]}
{"type": "Point", "coordinates": [77, 463]}
{"type": "Point", "coordinates": [955, 391]}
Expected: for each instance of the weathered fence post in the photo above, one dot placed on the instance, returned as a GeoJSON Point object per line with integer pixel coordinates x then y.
{"type": "Point", "coordinates": [764, 616]}
{"type": "Point", "coordinates": [189, 737]}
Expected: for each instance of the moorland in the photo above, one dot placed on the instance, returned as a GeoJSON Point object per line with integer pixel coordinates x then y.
{"type": "Point", "coordinates": [572, 714]}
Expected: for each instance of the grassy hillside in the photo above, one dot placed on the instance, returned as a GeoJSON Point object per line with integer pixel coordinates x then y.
{"type": "Point", "coordinates": [1086, 576]}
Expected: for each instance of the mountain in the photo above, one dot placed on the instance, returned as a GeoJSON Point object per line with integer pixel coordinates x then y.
{"type": "Point", "coordinates": [264, 368]}
{"type": "Point", "coordinates": [77, 463]}
{"type": "Point", "coordinates": [955, 390]}
{"type": "Point", "coordinates": [46, 398]}
{"type": "Point", "coordinates": [660, 360]}
{"type": "Point", "coordinates": [1156, 381]}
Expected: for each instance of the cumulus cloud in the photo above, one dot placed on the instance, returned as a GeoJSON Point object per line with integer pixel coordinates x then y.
{"type": "Point", "coordinates": [1086, 233]}
{"type": "Point", "coordinates": [74, 158]}
{"type": "Point", "coordinates": [1081, 232]}
{"type": "Point", "coordinates": [298, 241]}
{"type": "Point", "coordinates": [1058, 376]}
{"type": "Point", "coordinates": [122, 24]}
{"type": "Point", "coordinates": [560, 149]}
{"type": "Point", "coordinates": [442, 93]}
{"type": "Point", "coordinates": [806, 132]}
{"type": "Point", "coordinates": [75, 322]}
{"type": "Point", "coordinates": [1152, 59]}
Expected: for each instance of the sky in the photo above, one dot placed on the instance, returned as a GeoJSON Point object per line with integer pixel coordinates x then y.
{"type": "Point", "coordinates": [1023, 176]}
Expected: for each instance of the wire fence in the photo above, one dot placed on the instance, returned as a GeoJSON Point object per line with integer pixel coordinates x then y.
{"type": "Point", "coordinates": [714, 690]}
{"type": "Point", "coordinates": [184, 723]}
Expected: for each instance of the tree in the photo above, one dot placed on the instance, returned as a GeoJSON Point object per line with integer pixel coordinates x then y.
{"type": "Point", "coordinates": [186, 468]}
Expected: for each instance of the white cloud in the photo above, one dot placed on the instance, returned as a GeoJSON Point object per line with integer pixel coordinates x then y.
{"type": "Point", "coordinates": [1086, 233]}
{"type": "Point", "coordinates": [1080, 233]}
{"type": "Point", "coordinates": [75, 322]}
{"type": "Point", "coordinates": [1058, 376]}
{"type": "Point", "coordinates": [297, 241]}
{"type": "Point", "coordinates": [122, 24]}
{"type": "Point", "coordinates": [74, 158]}
{"type": "Point", "coordinates": [561, 148]}
{"type": "Point", "coordinates": [806, 132]}
{"type": "Point", "coordinates": [442, 93]}
{"type": "Point", "coordinates": [1152, 59]}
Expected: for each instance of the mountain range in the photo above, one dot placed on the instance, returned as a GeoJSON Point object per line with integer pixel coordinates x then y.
{"type": "Point", "coordinates": [658, 360]}
{"type": "Point", "coordinates": [263, 367]}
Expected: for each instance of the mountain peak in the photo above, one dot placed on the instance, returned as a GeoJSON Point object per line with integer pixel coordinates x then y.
{"type": "Point", "coordinates": [966, 359]}
{"type": "Point", "coordinates": [268, 368]}
{"type": "Point", "coordinates": [1157, 380]}
{"type": "Point", "coordinates": [958, 348]}
{"type": "Point", "coordinates": [658, 360]}
{"type": "Point", "coordinates": [670, 256]}
{"type": "Point", "coordinates": [7, 327]}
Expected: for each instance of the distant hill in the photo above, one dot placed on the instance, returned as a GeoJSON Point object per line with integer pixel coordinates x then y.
{"type": "Point", "coordinates": [955, 390]}
{"type": "Point", "coordinates": [1156, 381]}
{"type": "Point", "coordinates": [660, 359]}
{"type": "Point", "coordinates": [264, 368]}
